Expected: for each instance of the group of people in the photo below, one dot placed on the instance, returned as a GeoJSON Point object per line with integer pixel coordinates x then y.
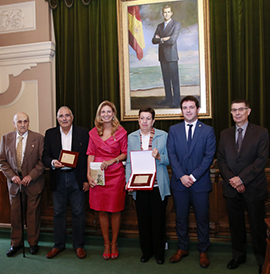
{"type": "Point", "coordinates": [189, 149]}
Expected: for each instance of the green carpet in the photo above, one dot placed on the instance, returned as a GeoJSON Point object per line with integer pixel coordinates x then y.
{"type": "Point", "coordinates": [128, 262]}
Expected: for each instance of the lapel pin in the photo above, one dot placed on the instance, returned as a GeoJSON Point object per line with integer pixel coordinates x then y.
{"type": "Point", "coordinates": [33, 145]}
{"type": "Point", "coordinates": [200, 125]}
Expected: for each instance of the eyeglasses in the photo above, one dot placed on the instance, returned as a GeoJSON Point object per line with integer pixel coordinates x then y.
{"type": "Point", "coordinates": [234, 110]}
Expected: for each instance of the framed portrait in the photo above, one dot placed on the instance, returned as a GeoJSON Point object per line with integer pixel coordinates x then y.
{"type": "Point", "coordinates": [164, 55]}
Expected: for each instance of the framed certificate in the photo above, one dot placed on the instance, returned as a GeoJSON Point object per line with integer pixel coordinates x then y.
{"type": "Point", "coordinates": [143, 170]}
{"type": "Point", "coordinates": [69, 158]}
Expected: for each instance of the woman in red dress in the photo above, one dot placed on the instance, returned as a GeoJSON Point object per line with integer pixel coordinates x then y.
{"type": "Point", "coordinates": [108, 145]}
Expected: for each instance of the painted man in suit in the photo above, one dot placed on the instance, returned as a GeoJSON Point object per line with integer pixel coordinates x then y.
{"type": "Point", "coordinates": [23, 171]}
{"type": "Point", "coordinates": [191, 147]}
{"type": "Point", "coordinates": [68, 184]}
{"type": "Point", "coordinates": [242, 157]}
{"type": "Point", "coordinates": [166, 36]}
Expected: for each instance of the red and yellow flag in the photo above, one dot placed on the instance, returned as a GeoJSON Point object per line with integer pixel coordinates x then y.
{"type": "Point", "coordinates": [135, 31]}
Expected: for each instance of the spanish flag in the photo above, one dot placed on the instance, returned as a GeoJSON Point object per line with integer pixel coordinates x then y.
{"type": "Point", "coordinates": [135, 31]}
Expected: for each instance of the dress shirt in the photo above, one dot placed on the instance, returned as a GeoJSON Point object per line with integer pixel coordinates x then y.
{"type": "Point", "coordinates": [244, 127]}
{"type": "Point", "coordinates": [24, 140]}
{"type": "Point", "coordinates": [192, 129]}
{"type": "Point", "coordinates": [66, 139]}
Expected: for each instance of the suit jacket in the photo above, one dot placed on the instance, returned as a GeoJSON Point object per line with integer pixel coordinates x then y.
{"type": "Point", "coordinates": [248, 164]}
{"type": "Point", "coordinates": [167, 50]}
{"type": "Point", "coordinates": [53, 147]}
{"type": "Point", "coordinates": [159, 141]}
{"type": "Point", "coordinates": [32, 161]}
{"type": "Point", "coordinates": [195, 161]}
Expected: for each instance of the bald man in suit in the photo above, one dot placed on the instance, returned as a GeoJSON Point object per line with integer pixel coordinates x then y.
{"type": "Point", "coordinates": [166, 36]}
{"type": "Point", "coordinates": [242, 157]}
{"type": "Point", "coordinates": [25, 174]}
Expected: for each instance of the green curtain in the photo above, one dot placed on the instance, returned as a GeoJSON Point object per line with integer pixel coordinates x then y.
{"type": "Point", "coordinates": [87, 59]}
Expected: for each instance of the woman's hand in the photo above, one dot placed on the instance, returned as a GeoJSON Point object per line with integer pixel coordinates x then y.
{"type": "Point", "coordinates": [105, 164]}
{"type": "Point", "coordinates": [91, 181]}
{"type": "Point", "coordinates": [155, 154]}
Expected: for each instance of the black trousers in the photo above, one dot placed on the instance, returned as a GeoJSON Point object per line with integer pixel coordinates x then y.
{"type": "Point", "coordinates": [151, 214]}
{"type": "Point", "coordinates": [256, 214]}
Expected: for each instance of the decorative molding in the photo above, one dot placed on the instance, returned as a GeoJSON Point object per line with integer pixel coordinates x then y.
{"type": "Point", "coordinates": [17, 17]}
{"type": "Point", "coordinates": [15, 59]}
{"type": "Point", "coordinates": [69, 3]}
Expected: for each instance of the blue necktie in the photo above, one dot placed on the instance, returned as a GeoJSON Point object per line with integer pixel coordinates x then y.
{"type": "Point", "coordinates": [189, 136]}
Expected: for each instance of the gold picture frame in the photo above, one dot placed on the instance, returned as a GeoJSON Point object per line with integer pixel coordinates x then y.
{"type": "Point", "coordinates": [141, 81]}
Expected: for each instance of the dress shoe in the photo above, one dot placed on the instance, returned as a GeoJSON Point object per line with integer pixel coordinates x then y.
{"type": "Point", "coordinates": [204, 260]}
{"type": "Point", "coordinates": [13, 250]}
{"type": "Point", "coordinates": [54, 252]}
{"type": "Point", "coordinates": [177, 257]}
{"type": "Point", "coordinates": [234, 263]}
{"type": "Point", "coordinates": [160, 260]}
{"type": "Point", "coordinates": [145, 258]}
{"type": "Point", "coordinates": [34, 249]}
{"type": "Point", "coordinates": [81, 254]}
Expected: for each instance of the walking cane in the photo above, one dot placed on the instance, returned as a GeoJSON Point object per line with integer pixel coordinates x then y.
{"type": "Point", "coordinates": [22, 220]}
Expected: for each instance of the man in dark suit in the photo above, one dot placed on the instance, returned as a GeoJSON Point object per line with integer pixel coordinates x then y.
{"type": "Point", "coordinates": [68, 184]}
{"type": "Point", "coordinates": [242, 156]}
{"type": "Point", "coordinates": [21, 163]}
{"type": "Point", "coordinates": [191, 147]}
{"type": "Point", "coordinates": [166, 36]}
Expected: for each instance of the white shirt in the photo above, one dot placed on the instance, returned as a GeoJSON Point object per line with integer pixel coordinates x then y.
{"type": "Point", "coordinates": [66, 139]}
{"type": "Point", "coordinates": [192, 133]}
{"type": "Point", "coordinates": [24, 140]}
{"type": "Point", "coordinates": [145, 141]}
{"type": "Point", "coordinates": [192, 129]}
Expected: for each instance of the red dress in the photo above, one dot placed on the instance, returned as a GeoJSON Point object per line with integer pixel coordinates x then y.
{"type": "Point", "coordinates": [111, 197]}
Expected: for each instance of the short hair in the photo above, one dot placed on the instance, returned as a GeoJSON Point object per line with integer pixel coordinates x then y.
{"type": "Point", "coordinates": [190, 98]}
{"type": "Point", "coordinates": [15, 116]}
{"type": "Point", "coordinates": [99, 122]}
{"type": "Point", "coordinates": [148, 109]}
{"type": "Point", "coordinates": [239, 100]}
{"type": "Point", "coordinates": [67, 108]}
{"type": "Point", "coordinates": [167, 7]}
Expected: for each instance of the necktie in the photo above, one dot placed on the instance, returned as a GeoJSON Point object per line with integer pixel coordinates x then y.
{"type": "Point", "coordinates": [189, 135]}
{"type": "Point", "coordinates": [19, 154]}
{"type": "Point", "coordinates": [239, 139]}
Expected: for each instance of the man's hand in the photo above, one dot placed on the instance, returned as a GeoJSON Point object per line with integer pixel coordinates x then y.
{"type": "Point", "coordinates": [241, 189]}
{"type": "Point", "coordinates": [186, 181]}
{"type": "Point", "coordinates": [16, 180]}
{"type": "Point", "coordinates": [235, 182]}
{"type": "Point", "coordinates": [26, 180]}
{"type": "Point", "coordinates": [57, 164]}
{"type": "Point", "coordinates": [85, 186]}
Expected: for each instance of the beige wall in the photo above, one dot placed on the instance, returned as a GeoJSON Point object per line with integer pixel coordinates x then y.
{"type": "Point", "coordinates": [27, 68]}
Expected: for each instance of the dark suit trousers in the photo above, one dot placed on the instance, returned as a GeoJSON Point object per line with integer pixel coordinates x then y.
{"type": "Point", "coordinates": [200, 202]}
{"type": "Point", "coordinates": [171, 81]}
{"type": "Point", "coordinates": [31, 207]}
{"type": "Point", "coordinates": [256, 214]}
{"type": "Point", "coordinates": [67, 191]}
{"type": "Point", "coordinates": [151, 214]}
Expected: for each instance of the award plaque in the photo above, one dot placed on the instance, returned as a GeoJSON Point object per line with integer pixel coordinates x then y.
{"type": "Point", "coordinates": [143, 170]}
{"type": "Point", "coordinates": [69, 158]}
